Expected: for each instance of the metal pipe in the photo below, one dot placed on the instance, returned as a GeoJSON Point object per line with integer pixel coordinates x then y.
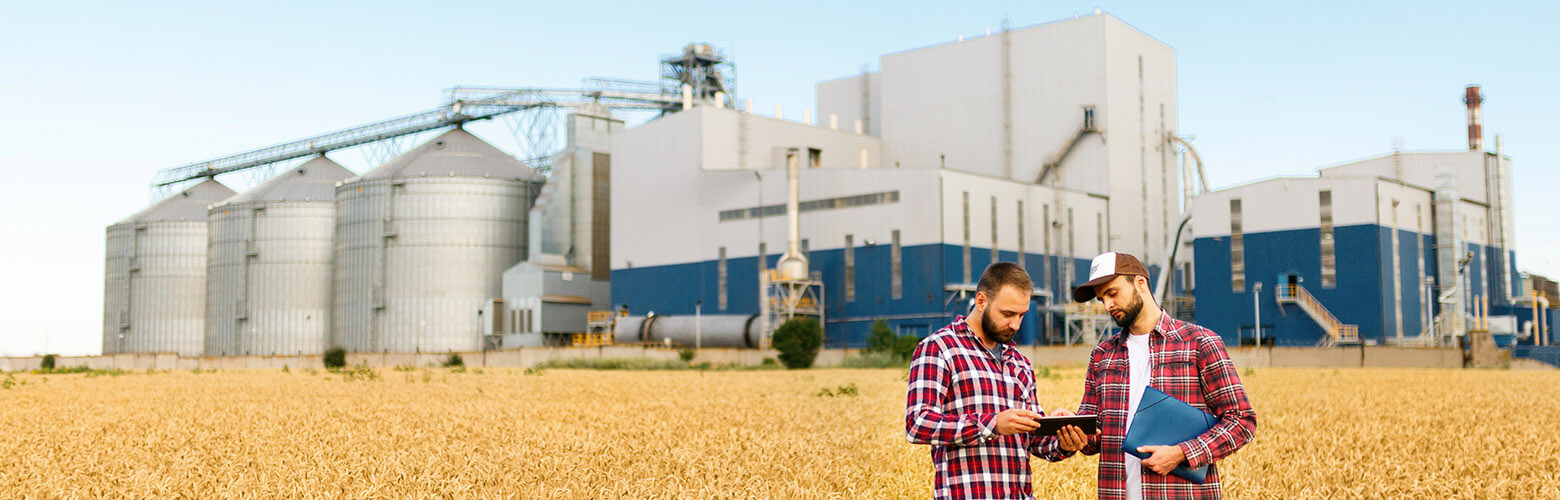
{"type": "Point", "coordinates": [793, 265]}
{"type": "Point", "coordinates": [1202, 176]}
{"type": "Point", "coordinates": [1256, 308]}
{"type": "Point", "coordinates": [1473, 99]}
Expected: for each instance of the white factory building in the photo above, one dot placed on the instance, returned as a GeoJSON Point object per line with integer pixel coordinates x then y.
{"type": "Point", "coordinates": [1043, 145]}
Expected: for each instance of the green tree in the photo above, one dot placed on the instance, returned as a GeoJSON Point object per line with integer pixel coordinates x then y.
{"type": "Point", "coordinates": [47, 363]}
{"type": "Point", "coordinates": [335, 357]}
{"type": "Point", "coordinates": [883, 339]}
{"type": "Point", "coordinates": [798, 341]}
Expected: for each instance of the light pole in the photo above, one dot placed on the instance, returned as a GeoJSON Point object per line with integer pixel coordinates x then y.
{"type": "Point", "coordinates": [1256, 308]}
{"type": "Point", "coordinates": [698, 326]}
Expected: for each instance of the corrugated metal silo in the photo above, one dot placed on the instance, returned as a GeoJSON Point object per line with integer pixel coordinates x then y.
{"type": "Point", "coordinates": [154, 293]}
{"type": "Point", "coordinates": [422, 243]}
{"type": "Point", "coordinates": [269, 271]}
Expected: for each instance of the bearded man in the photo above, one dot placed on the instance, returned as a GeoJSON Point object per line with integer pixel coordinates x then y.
{"type": "Point", "coordinates": [972, 397]}
{"type": "Point", "coordinates": [1186, 361]}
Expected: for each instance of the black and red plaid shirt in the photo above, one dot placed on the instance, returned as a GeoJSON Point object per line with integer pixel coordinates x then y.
{"type": "Point", "coordinates": [956, 390]}
{"type": "Point", "coordinates": [1187, 362]}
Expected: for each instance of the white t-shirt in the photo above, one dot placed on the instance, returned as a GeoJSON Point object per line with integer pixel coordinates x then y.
{"type": "Point", "coordinates": [1138, 373]}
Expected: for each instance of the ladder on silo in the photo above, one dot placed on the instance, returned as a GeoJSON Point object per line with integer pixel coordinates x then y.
{"type": "Point", "coordinates": [1337, 332]}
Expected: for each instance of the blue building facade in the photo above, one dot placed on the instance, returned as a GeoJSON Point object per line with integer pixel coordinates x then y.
{"type": "Point", "coordinates": [923, 306]}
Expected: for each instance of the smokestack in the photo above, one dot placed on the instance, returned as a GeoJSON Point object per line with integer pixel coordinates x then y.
{"type": "Point", "coordinates": [792, 265]}
{"type": "Point", "coordinates": [1475, 122]}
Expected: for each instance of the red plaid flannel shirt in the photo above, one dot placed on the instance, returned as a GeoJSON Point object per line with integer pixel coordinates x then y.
{"type": "Point", "coordinates": [956, 390]}
{"type": "Point", "coordinates": [1189, 363]}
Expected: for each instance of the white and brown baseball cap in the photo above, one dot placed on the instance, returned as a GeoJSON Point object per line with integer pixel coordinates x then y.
{"type": "Point", "coordinates": [1107, 266]}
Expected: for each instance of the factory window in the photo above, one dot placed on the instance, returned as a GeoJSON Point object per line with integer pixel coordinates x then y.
{"type": "Point", "coordinates": [995, 254]}
{"type": "Point", "coordinates": [1329, 259]}
{"type": "Point", "coordinates": [720, 273]}
{"type": "Point", "coordinates": [777, 210]}
{"type": "Point", "coordinates": [1187, 283]}
{"type": "Point", "coordinates": [514, 321]}
{"type": "Point", "coordinates": [814, 158]}
{"type": "Point", "coordinates": [850, 268]}
{"type": "Point", "coordinates": [804, 249]}
{"type": "Point", "coordinates": [966, 256]}
{"type": "Point", "coordinates": [1237, 248]}
{"type": "Point", "coordinates": [1021, 257]}
{"type": "Point", "coordinates": [896, 280]}
{"type": "Point", "coordinates": [1088, 117]}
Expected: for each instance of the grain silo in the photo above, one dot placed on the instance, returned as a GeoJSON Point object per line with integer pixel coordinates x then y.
{"type": "Point", "coordinates": [269, 272]}
{"type": "Point", "coordinates": [422, 243]}
{"type": "Point", "coordinates": [154, 293]}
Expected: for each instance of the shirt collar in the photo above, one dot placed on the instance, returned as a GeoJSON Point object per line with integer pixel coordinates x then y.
{"type": "Point", "coordinates": [1166, 327]}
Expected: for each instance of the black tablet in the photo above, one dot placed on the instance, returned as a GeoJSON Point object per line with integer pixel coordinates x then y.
{"type": "Point", "coordinates": [1049, 425]}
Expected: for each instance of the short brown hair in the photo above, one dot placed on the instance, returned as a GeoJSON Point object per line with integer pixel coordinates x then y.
{"type": "Point", "coordinates": [1004, 274]}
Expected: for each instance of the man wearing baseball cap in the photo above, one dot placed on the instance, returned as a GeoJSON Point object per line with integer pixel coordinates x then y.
{"type": "Point", "coordinates": [1181, 359]}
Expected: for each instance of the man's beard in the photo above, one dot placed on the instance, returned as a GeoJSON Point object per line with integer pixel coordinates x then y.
{"type": "Point", "coordinates": [1129, 314]}
{"type": "Point", "coordinates": [992, 332]}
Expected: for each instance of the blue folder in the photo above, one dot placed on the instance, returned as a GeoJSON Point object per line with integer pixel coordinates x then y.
{"type": "Point", "coordinates": [1162, 420]}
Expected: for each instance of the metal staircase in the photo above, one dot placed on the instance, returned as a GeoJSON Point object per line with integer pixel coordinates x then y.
{"type": "Point", "coordinates": [1337, 332]}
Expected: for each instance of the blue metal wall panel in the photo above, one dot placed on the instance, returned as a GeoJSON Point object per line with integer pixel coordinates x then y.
{"type": "Point", "coordinates": [923, 307]}
{"type": "Point", "coordinates": [1356, 299]}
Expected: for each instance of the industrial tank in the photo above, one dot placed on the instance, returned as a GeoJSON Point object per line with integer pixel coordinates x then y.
{"type": "Point", "coordinates": [154, 293]}
{"type": "Point", "coordinates": [268, 272]}
{"type": "Point", "coordinates": [422, 242]}
{"type": "Point", "coordinates": [709, 330]}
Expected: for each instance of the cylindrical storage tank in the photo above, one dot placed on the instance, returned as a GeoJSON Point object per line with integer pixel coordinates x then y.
{"type": "Point", "coordinates": [268, 272]}
{"type": "Point", "coordinates": [422, 243]}
{"type": "Point", "coordinates": [707, 330]}
{"type": "Point", "coordinates": [154, 292]}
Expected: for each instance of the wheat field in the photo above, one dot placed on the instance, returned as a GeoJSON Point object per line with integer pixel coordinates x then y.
{"type": "Point", "coordinates": [828, 433]}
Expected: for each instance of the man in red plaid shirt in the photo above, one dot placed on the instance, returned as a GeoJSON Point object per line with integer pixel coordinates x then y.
{"type": "Point", "coordinates": [972, 397]}
{"type": "Point", "coordinates": [1184, 360]}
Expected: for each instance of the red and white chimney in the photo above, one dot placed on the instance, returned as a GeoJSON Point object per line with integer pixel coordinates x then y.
{"type": "Point", "coordinates": [1475, 121]}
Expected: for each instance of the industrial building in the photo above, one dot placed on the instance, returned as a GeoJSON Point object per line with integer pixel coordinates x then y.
{"type": "Point", "coordinates": [1406, 248]}
{"type": "Point", "coordinates": [711, 223]}
{"type": "Point", "coordinates": [1043, 145]}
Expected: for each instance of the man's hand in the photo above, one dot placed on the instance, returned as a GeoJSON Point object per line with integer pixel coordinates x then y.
{"type": "Point", "coordinates": [1070, 437]}
{"type": "Point", "coordinates": [1164, 458]}
{"type": "Point", "coordinates": [1016, 420]}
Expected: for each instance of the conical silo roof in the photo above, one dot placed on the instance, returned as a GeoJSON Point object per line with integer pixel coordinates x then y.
{"type": "Point", "coordinates": [456, 153]}
{"type": "Point", "coordinates": [187, 205]}
{"type": "Point", "coordinates": [314, 180]}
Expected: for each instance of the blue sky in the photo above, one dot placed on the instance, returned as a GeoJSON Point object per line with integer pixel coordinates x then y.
{"type": "Point", "coordinates": [96, 97]}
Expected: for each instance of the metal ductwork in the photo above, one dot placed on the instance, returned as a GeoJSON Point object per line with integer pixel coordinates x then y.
{"type": "Point", "coordinates": [724, 330]}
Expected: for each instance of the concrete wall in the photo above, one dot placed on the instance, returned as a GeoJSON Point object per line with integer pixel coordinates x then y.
{"type": "Point", "coordinates": [1060, 356]}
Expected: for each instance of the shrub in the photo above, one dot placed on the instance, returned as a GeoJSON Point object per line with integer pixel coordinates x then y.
{"type": "Point", "coordinates": [47, 363]}
{"type": "Point", "coordinates": [359, 372]}
{"type": "Point", "coordinates": [454, 360]}
{"type": "Point", "coordinates": [798, 341]}
{"type": "Point", "coordinates": [883, 339]}
{"type": "Point", "coordinates": [686, 355]}
{"type": "Point", "coordinates": [335, 357]}
{"type": "Point", "coordinates": [875, 360]}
